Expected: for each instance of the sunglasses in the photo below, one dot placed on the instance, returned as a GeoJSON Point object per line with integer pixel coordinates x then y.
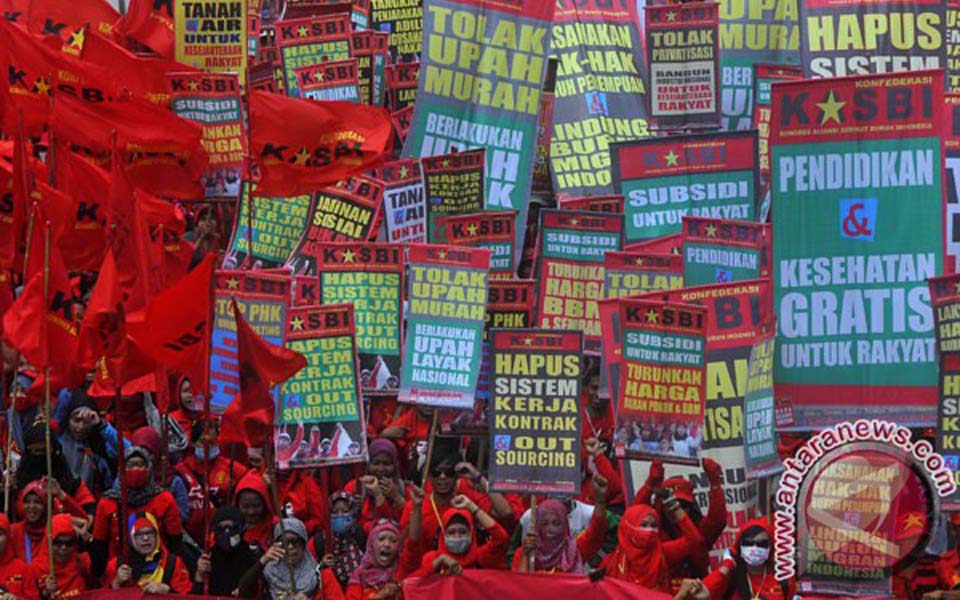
{"type": "Point", "coordinates": [755, 543]}
{"type": "Point", "coordinates": [443, 471]}
{"type": "Point", "coordinates": [63, 543]}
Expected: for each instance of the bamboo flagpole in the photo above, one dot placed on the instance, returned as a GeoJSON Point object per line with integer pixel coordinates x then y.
{"type": "Point", "coordinates": [46, 396]}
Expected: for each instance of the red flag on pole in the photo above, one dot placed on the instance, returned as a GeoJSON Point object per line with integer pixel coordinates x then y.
{"type": "Point", "coordinates": [249, 418]}
{"type": "Point", "coordinates": [174, 328]}
{"type": "Point", "coordinates": [61, 17]}
{"type": "Point", "coordinates": [303, 145]}
{"type": "Point", "coordinates": [150, 22]}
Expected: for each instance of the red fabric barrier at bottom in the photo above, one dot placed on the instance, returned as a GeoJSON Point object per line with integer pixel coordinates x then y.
{"type": "Point", "coordinates": [505, 585]}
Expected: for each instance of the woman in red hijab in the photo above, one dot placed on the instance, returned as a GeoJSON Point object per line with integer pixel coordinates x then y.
{"type": "Point", "coordinates": [71, 567]}
{"type": "Point", "coordinates": [28, 536]}
{"type": "Point", "coordinates": [641, 557]}
{"type": "Point", "coordinates": [13, 570]}
{"type": "Point", "coordinates": [380, 573]}
{"type": "Point", "coordinates": [552, 547]}
{"type": "Point", "coordinates": [458, 546]}
{"type": "Point", "coordinates": [253, 500]}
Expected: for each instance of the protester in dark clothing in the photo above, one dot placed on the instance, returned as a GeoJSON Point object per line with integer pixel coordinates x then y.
{"type": "Point", "coordinates": [228, 557]}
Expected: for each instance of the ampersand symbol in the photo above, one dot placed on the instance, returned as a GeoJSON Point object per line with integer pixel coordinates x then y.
{"type": "Point", "coordinates": [854, 227]}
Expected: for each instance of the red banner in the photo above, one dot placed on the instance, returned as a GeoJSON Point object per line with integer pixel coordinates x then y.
{"type": "Point", "coordinates": [482, 584]}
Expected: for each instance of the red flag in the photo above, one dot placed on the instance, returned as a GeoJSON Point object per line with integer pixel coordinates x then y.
{"type": "Point", "coordinates": [150, 22]}
{"type": "Point", "coordinates": [303, 145]}
{"type": "Point", "coordinates": [61, 17]}
{"type": "Point", "coordinates": [103, 332]}
{"type": "Point", "coordinates": [128, 237]}
{"type": "Point", "coordinates": [44, 329]}
{"type": "Point", "coordinates": [174, 328]}
{"type": "Point", "coordinates": [249, 418]}
{"type": "Point", "coordinates": [160, 151]}
{"type": "Point", "coordinates": [6, 296]}
{"type": "Point", "coordinates": [82, 243]}
{"type": "Point", "coordinates": [13, 207]}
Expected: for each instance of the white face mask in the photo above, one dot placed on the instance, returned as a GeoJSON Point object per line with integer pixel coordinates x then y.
{"type": "Point", "coordinates": [754, 555]}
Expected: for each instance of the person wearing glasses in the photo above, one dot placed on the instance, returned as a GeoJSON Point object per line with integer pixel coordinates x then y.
{"type": "Point", "coordinates": [150, 566]}
{"type": "Point", "coordinates": [290, 572]}
{"type": "Point", "coordinates": [71, 572]}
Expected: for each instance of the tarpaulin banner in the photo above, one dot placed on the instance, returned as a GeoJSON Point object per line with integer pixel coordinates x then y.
{"type": "Point", "coordinates": [445, 321]}
{"type": "Point", "coordinates": [370, 50]}
{"type": "Point", "coordinates": [404, 209]}
{"type": "Point", "coordinates": [213, 101]}
{"type": "Point", "coordinates": [481, 73]}
{"type": "Point", "coordinates": [535, 435]}
{"type": "Point", "coordinates": [843, 38]}
{"type": "Point", "coordinates": [490, 230]}
{"type": "Point", "coordinates": [401, 121]}
{"type": "Point", "coordinates": [764, 75]}
{"type": "Point", "coordinates": [735, 313]}
{"type": "Point", "coordinates": [276, 226]}
{"type": "Point", "coordinates": [310, 41]}
{"type": "Point", "coordinates": [951, 149]}
{"type": "Point", "coordinates": [629, 273]}
{"type": "Point", "coordinates": [510, 305]}
{"type": "Point", "coordinates": [403, 20]}
{"type": "Point", "coordinates": [600, 92]}
{"type": "Point", "coordinates": [570, 269]}
{"type": "Point", "coordinates": [952, 34]}
{"type": "Point", "coordinates": [320, 420]}
{"type": "Point", "coordinates": [709, 175]}
{"type": "Point", "coordinates": [370, 277]}
{"type": "Point", "coordinates": [262, 299]}
{"type": "Point", "coordinates": [402, 85]}
{"type": "Point", "coordinates": [760, 436]}
{"type": "Point", "coordinates": [945, 300]}
{"type": "Point", "coordinates": [306, 290]}
{"type": "Point", "coordinates": [612, 203]}
{"type": "Point", "coordinates": [335, 80]}
{"type": "Point", "coordinates": [212, 35]}
{"type": "Point", "coordinates": [683, 50]}
{"type": "Point", "coordinates": [721, 251]}
{"type": "Point", "coordinates": [752, 32]}
{"type": "Point", "coordinates": [453, 185]}
{"type": "Point", "coordinates": [479, 584]}
{"type": "Point", "coordinates": [662, 383]}
{"type": "Point", "coordinates": [852, 160]}
{"type": "Point", "coordinates": [668, 244]}
{"type": "Point", "coordinates": [542, 182]}
{"type": "Point", "coordinates": [345, 212]}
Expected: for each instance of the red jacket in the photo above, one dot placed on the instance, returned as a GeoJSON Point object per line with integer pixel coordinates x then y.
{"type": "Point", "coordinates": [301, 494]}
{"type": "Point", "coordinates": [193, 473]}
{"type": "Point", "coordinates": [162, 506]}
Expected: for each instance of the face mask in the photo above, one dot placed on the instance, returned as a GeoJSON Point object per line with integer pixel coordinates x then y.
{"type": "Point", "coordinates": [341, 524]}
{"type": "Point", "coordinates": [457, 545]}
{"type": "Point", "coordinates": [199, 453]}
{"type": "Point", "coordinates": [138, 477]}
{"type": "Point", "coordinates": [754, 556]}
{"type": "Point", "coordinates": [644, 539]}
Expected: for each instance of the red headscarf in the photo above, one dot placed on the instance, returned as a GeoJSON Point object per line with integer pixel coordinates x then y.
{"type": "Point", "coordinates": [468, 560]}
{"type": "Point", "coordinates": [559, 554]}
{"type": "Point", "coordinates": [370, 574]}
{"type": "Point", "coordinates": [760, 522]}
{"type": "Point", "coordinates": [262, 532]}
{"type": "Point", "coordinates": [72, 575]}
{"type": "Point", "coordinates": [643, 566]}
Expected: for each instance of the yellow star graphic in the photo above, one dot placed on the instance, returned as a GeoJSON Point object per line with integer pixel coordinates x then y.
{"type": "Point", "coordinates": [574, 221]}
{"type": "Point", "coordinates": [442, 255]}
{"type": "Point", "coordinates": [652, 316]}
{"type": "Point", "coordinates": [528, 340]}
{"type": "Point", "coordinates": [296, 324]}
{"type": "Point", "coordinates": [194, 86]}
{"type": "Point", "coordinates": [675, 251]}
{"type": "Point", "coordinates": [318, 75]}
{"type": "Point", "coordinates": [638, 261]}
{"type": "Point", "coordinates": [831, 108]}
{"type": "Point", "coordinates": [233, 283]}
{"type": "Point", "coordinates": [671, 16]}
{"type": "Point", "coordinates": [348, 256]}
{"type": "Point", "coordinates": [446, 162]}
{"type": "Point", "coordinates": [41, 86]}
{"type": "Point", "coordinates": [76, 39]}
{"type": "Point", "coordinates": [711, 230]}
{"type": "Point", "coordinates": [912, 520]}
{"type": "Point", "coordinates": [672, 158]}
{"type": "Point", "coordinates": [472, 229]}
{"type": "Point", "coordinates": [404, 172]}
{"type": "Point", "coordinates": [302, 31]}
{"type": "Point", "coordinates": [300, 158]}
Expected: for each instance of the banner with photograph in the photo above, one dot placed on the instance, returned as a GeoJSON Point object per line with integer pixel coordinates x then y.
{"type": "Point", "coordinates": [211, 35]}
{"type": "Point", "coordinates": [490, 230]}
{"type": "Point", "coordinates": [721, 251]}
{"type": "Point", "coordinates": [445, 321]}
{"type": "Point", "coordinates": [535, 434]}
{"type": "Point", "coordinates": [665, 179]}
{"type": "Point", "coordinates": [275, 227]}
{"type": "Point", "coordinates": [370, 277]}
{"type": "Point", "coordinates": [213, 101]}
{"type": "Point", "coordinates": [852, 161]}
{"type": "Point", "coordinates": [320, 421]}
{"type": "Point", "coordinates": [683, 49]}
{"type": "Point", "coordinates": [570, 270]}
{"type": "Point", "coordinates": [453, 185]}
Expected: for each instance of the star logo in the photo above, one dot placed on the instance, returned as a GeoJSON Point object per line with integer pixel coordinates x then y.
{"type": "Point", "coordinates": [296, 324]}
{"type": "Point", "coordinates": [76, 39]}
{"type": "Point", "coordinates": [41, 86]}
{"type": "Point", "coordinates": [442, 255]}
{"type": "Point", "coordinates": [672, 159]}
{"type": "Point", "coordinates": [404, 171]}
{"type": "Point", "coordinates": [574, 221]}
{"type": "Point", "coordinates": [638, 261]}
{"type": "Point", "coordinates": [233, 283]}
{"type": "Point", "coordinates": [302, 31]}
{"type": "Point", "coordinates": [528, 340]}
{"type": "Point", "coordinates": [300, 158]}
{"type": "Point", "coordinates": [318, 75]}
{"type": "Point", "coordinates": [671, 16]}
{"type": "Point", "coordinates": [652, 316]}
{"type": "Point", "coordinates": [194, 86]}
{"type": "Point", "coordinates": [472, 229]}
{"type": "Point", "coordinates": [830, 109]}
{"type": "Point", "coordinates": [711, 230]}
{"type": "Point", "coordinates": [348, 256]}
{"type": "Point", "coordinates": [446, 162]}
